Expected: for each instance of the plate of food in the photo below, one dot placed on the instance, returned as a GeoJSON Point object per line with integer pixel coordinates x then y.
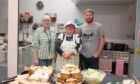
{"type": "Point", "coordinates": [70, 74]}
{"type": "Point", "coordinates": [35, 75]}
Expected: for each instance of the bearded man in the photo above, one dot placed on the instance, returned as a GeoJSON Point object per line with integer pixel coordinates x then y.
{"type": "Point", "coordinates": [93, 40]}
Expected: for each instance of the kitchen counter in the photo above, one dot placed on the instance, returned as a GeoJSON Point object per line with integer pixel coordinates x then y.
{"type": "Point", "coordinates": [108, 78]}
{"type": "Point", "coordinates": [113, 78]}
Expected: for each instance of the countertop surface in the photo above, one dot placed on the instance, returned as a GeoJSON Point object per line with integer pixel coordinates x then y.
{"type": "Point", "coordinates": [112, 78]}
{"type": "Point", "coordinates": [109, 78]}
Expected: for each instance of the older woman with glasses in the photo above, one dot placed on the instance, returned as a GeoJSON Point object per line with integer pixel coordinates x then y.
{"type": "Point", "coordinates": [44, 43]}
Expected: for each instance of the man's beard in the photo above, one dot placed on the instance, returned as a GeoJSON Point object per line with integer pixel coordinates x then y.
{"type": "Point", "coordinates": [89, 21]}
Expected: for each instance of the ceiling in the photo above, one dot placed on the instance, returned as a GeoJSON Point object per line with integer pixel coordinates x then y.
{"type": "Point", "coordinates": [104, 2]}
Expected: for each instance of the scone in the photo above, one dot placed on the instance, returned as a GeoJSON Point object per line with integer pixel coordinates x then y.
{"type": "Point", "coordinates": [79, 79]}
{"type": "Point", "coordinates": [75, 73]}
{"type": "Point", "coordinates": [70, 67]}
{"type": "Point", "coordinates": [65, 74]}
{"type": "Point", "coordinates": [71, 81]}
{"type": "Point", "coordinates": [60, 80]}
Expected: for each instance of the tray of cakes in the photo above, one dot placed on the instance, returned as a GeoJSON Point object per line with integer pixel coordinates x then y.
{"type": "Point", "coordinates": [35, 75]}
{"type": "Point", "coordinates": [70, 74]}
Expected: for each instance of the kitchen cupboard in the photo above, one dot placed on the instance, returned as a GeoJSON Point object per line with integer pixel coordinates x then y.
{"type": "Point", "coordinates": [108, 61]}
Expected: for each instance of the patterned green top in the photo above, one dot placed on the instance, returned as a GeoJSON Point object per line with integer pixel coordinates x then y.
{"type": "Point", "coordinates": [44, 42]}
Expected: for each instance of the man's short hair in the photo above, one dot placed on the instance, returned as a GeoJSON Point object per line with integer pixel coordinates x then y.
{"type": "Point", "coordinates": [89, 10]}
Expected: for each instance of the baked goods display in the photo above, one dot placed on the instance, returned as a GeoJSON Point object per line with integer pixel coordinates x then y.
{"type": "Point", "coordinates": [70, 74]}
{"type": "Point", "coordinates": [92, 76]}
{"type": "Point", "coordinates": [35, 75]}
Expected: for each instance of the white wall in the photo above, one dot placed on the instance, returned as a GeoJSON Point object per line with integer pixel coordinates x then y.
{"type": "Point", "coordinates": [115, 21]}
{"type": "Point", "coordinates": [113, 18]}
{"type": "Point", "coordinates": [65, 9]}
{"type": "Point", "coordinates": [3, 16]}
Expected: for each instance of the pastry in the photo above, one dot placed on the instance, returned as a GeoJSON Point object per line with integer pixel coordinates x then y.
{"type": "Point", "coordinates": [70, 74]}
{"type": "Point", "coordinates": [71, 81]}
{"type": "Point", "coordinates": [65, 74]}
{"type": "Point", "coordinates": [36, 75]}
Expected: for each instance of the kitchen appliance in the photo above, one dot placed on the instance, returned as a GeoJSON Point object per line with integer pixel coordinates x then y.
{"type": "Point", "coordinates": [120, 47]}
{"type": "Point", "coordinates": [114, 55]}
{"type": "Point", "coordinates": [108, 46]}
{"type": "Point", "coordinates": [121, 55]}
{"type": "Point", "coordinates": [116, 46]}
{"type": "Point", "coordinates": [125, 70]}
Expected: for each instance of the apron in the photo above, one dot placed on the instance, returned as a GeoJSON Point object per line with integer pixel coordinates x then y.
{"type": "Point", "coordinates": [67, 46]}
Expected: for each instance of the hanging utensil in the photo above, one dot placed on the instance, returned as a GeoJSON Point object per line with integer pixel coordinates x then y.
{"type": "Point", "coordinates": [27, 33]}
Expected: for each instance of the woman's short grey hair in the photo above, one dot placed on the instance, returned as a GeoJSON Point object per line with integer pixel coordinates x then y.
{"type": "Point", "coordinates": [46, 17]}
